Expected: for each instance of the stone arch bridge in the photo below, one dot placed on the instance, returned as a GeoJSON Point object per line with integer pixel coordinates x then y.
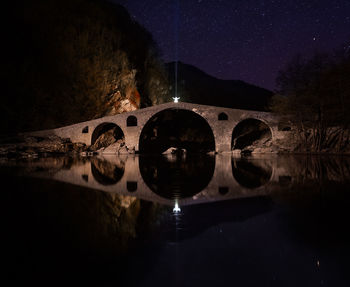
{"type": "Point", "coordinates": [222, 122]}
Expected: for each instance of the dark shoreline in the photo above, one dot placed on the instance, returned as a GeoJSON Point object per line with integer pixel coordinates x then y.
{"type": "Point", "coordinates": [28, 146]}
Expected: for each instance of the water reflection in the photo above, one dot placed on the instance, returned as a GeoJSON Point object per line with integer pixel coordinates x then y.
{"type": "Point", "coordinates": [294, 205]}
{"type": "Point", "coordinates": [251, 174]}
{"type": "Point", "coordinates": [324, 168]}
{"type": "Point", "coordinates": [107, 172]}
{"type": "Point", "coordinates": [189, 180]}
{"type": "Point", "coordinates": [175, 176]}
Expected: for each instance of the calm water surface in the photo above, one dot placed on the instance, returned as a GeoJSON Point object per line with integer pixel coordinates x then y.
{"type": "Point", "coordinates": [176, 220]}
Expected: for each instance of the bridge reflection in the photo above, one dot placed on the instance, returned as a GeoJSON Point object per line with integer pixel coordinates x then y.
{"type": "Point", "coordinates": [177, 177]}
{"type": "Point", "coordinates": [186, 179]}
{"type": "Point", "coordinates": [251, 174]}
{"type": "Point", "coordinates": [107, 172]}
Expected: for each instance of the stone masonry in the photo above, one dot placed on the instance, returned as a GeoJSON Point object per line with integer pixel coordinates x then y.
{"type": "Point", "coordinates": [222, 129]}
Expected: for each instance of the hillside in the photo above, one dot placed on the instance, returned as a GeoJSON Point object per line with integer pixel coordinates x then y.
{"type": "Point", "coordinates": [67, 61]}
{"type": "Point", "coordinates": [195, 86]}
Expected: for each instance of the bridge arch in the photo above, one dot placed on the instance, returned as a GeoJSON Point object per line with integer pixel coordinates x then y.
{"type": "Point", "coordinates": [179, 128]}
{"type": "Point", "coordinates": [250, 131]}
{"type": "Point", "coordinates": [113, 129]}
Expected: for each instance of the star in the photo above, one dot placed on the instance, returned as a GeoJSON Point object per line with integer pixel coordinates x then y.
{"type": "Point", "coordinates": [248, 33]}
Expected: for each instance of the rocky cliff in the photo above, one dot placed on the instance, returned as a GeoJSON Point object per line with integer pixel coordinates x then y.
{"type": "Point", "coordinates": [73, 60]}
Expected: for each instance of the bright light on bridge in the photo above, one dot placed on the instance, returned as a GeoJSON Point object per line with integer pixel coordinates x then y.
{"type": "Point", "coordinates": [176, 208]}
{"type": "Point", "coordinates": [176, 99]}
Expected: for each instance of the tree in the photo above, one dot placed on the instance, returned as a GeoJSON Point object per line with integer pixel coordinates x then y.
{"type": "Point", "coordinates": [314, 94]}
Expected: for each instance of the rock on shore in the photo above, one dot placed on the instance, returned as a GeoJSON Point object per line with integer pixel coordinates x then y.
{"type": "Point", "coordinates": [23, 146]}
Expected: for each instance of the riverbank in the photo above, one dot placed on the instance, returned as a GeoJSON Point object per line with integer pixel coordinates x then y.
{"type": "Point", "coordinates": [23, 146]}
{"type": "Point", "coordinates": [27, 146]}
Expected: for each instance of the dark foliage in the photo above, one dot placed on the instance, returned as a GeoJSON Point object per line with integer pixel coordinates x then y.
{"type": "Point", "coordinates": [314, 94]}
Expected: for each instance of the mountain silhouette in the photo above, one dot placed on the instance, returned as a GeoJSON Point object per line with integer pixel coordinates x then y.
{"type": "Point", "coordinates": [195, 86]}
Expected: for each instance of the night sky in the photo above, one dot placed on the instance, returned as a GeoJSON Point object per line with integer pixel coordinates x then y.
{"type": "Point", "coordinates": [249, 40]}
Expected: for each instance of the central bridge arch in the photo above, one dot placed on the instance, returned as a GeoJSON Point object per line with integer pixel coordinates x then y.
{"type": "Point", "coordinates": [179, 128]}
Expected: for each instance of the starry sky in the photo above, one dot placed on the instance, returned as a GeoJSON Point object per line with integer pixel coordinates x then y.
{"type": "Point", "coordinates": [249, 40]}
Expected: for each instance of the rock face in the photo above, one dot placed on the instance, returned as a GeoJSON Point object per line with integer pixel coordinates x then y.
{"type": "Point", "coordinates": [115, 148]}
{"type": "Point", "coordinates": [110, 142]}
{"type": "Point", "coordinates": [252, 136]}
{"type": "Point", "coordinates": [105, 139]}
{"type": "Point", "coordinates": [174, 150]}
{"type": "Point", "coordinates": [98, 61]}
{"type": "Point", "coordinates": [124, 98]}
{"type": "Point", "coordinates": [262, 145]}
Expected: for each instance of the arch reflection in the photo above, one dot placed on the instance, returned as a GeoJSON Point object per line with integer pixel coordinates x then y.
{"type": "Point", "coordinates": [251, 174]}
{"type": "Point", "coordinates": [106, 172]}
{"type": "Point", "coordinates": [176, 176]}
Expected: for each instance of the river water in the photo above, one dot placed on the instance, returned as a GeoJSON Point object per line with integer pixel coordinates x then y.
{"type": "Point", "coordinates": [176, 220]}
